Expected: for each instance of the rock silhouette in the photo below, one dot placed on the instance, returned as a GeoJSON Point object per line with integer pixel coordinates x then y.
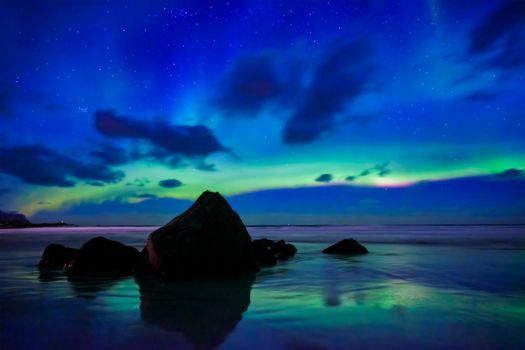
{"type": "Point", "coordinates": [207, 239]}
{"type": "Point", "coordinates": [346, 246]}
{"type": "Point", "coordinates": [267, 251]}
{"type": "Point", "coordinates": [102, 256]}
{"type": "Point", "coordinates": [13, 220]}
{"type": "Point", "coordinates": [57, 256]}
{"type": "Point", "coordinates": [205, 311]}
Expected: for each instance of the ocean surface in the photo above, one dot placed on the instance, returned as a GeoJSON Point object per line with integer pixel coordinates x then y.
{"type": "Point", "coordinates": [421, 287]}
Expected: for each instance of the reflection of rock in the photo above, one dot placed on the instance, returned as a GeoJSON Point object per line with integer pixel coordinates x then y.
{"type": "Point", "coordinates": [88, 287]}
{"type": "Point", "coordinates": [204, 311]}
{"type": "Point", "coordinates": [346, 246]}
{"type": "Point", "coordinates": [102, 256]}
{"type": "Point", "coordinates": [267, 252]}
{"type": "Point", "coordinates": [56, 256]}
{"type": "Point", "coordinates": [207, 239]}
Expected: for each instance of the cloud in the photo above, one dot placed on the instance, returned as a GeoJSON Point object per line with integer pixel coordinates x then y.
{"type": "Point", "coordinates": [380, 169]}
{"type": "Point", "coordinates": [95, 183]}
{"type": "Point", "coordinates": [138, 182]}
{"type": "Point", "coordinates": [252, 82]}
{"type": "Point", "coordinates": [499, 37]}
{"type": "Point", "coordinates": [166, 139]}
{"type": "Point", "coordinates": [340, 77]}
{"type": "Point", "coordinates": [110, 154]}
{"type": "Point", "coordinates": [170, 183]}
{"type": "Point", "coordinates": [496, 25]}
{"type": "Point", "coordinates": [324, 178]}
{"type": "Point", "coordinates": [146, 195]}
{"type": "Point", "coordinates": [39, 165]}
{"type": "Point", "coordinates": [511, 173]}
{"type": "Point", "coordinates": [481, 96]}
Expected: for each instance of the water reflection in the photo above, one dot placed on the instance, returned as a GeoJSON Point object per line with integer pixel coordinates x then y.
{"type": "Point", "coordinates": [204, 311]}
{"type": "Point", "coordinates": [89, 287]}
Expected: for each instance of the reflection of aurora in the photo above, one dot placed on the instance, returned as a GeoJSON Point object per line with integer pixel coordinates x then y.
{"type": "Point", "coordinates": [431, 295]}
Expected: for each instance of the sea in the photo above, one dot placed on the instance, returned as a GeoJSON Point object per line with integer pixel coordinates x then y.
{"type": "Point", "coordinates": [420, 287]}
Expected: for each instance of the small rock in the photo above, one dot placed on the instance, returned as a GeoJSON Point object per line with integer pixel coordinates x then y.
{"type": "Point", "coordinates": [56, 256]}
{"type": "Point", "coordinates": [283, 250]}
{"type": "Point", "coordinates": [102, 257]}
{"type": "Point", "coordinates": [346, 246]}
{"type": "Point", "coordinates": [262, 252]}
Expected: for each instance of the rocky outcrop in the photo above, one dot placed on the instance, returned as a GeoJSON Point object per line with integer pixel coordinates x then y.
{"type": "Point", "coordinates": [268, 252]}
{"type": "Point", "coordinates": [102, 256]}
{"type": "Point", "coordinates": [207, 239]}
{"type": "Point", "coordinates": [57, 256]}
{"type": "Point", "coordinates": [13, 220]}
{"type": "Point", "coordinates": [346, 246]}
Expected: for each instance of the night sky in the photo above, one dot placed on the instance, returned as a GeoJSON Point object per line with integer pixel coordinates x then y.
{"type": "Point", "coordinates": [300, 112]}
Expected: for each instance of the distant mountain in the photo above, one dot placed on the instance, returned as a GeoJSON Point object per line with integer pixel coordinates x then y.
{"type": "Point", "coordinates": [13, 219]}
{"type": "Point", "coordinates": [17, 220]}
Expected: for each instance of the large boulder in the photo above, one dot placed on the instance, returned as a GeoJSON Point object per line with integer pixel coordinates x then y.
{"type": "Point", "coordinates": [207, 239]}
{"type": "Point", "coordinates": [346, 246]}
{"type": "Point", "coordinates": [57, 256]}
{"type": "Point", "coordinates": [104, 257]}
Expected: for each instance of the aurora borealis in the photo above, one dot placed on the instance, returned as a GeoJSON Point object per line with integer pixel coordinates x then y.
{"type": "Point", "coordinates": [298, 111]}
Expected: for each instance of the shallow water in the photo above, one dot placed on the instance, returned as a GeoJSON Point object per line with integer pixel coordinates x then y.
{"type": "Point", "coordinates": [420, 287]}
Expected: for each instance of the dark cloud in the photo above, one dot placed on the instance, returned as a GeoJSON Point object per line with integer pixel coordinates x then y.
{"type": "Point", "coordinates": [481, 96]}
{"type": "Point", "coordinates": [4, 190]}
{"type": "Point", "coordinates": [500, 35]}
{"type": "Point", "coordinates": [340, 77]}
{"type": "Point", "coordinates": [146, 195]}
{"type": "Point", "coordinates": [380, 169]}
{"type": "Point", "coordinates": [39, 165]}
{"type": "Point", "coordinates": [496, 25]}
{"type": "Point", "coordinates": [43, 203]}
{"type": "Point", "coordinates": [138, 182]}
{"type": "Point", "coordinates": [170, 183]}
{"type": "Point", "coordinates": [167, 139]}
{"type": "Point", "coordinates": [511, 173]}
{"type": "Point", "coordinates": [324, 178]}
{"type": "Point", "coordinates": [252, 82]}
{"type": "Point", "coordinates": [205, 166]}
{"type": "Point", "coordinates": [95, 183]}
{"type": "Point", "coordinates": [111, 155]}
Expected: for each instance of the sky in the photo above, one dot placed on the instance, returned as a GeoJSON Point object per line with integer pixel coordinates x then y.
{"type": "Point", "coordinates": [299, 112]}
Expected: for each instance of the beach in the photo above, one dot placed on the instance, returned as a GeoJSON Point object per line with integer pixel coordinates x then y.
{"type": "Point", "coordinates": [419, 287]}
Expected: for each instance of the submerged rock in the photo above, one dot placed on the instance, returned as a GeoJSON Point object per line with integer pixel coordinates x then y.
{"type": "Point", "coordinates": [57, 256]}
{"type": "Point", "coordinates": [102, 257]}
{"type": "Point", "coordinates": [267, 252]}
{"type": "Point", "coordinates": [346, 246]}
{"type": "Point", "coordinates": [207, 239]}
